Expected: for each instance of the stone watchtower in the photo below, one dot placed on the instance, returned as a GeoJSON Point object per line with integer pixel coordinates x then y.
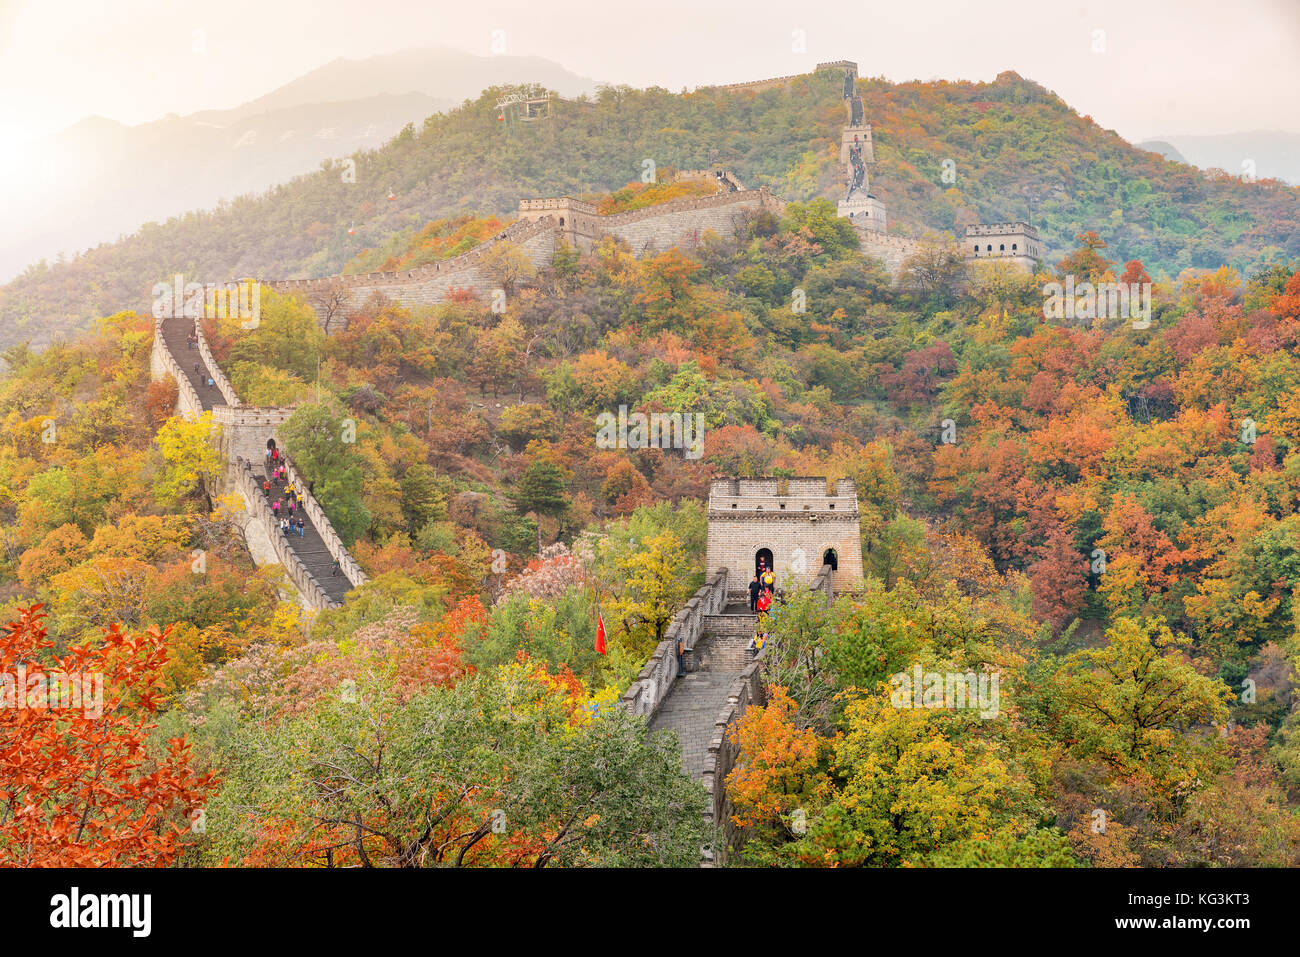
{"type": "Point", "coordinates": [796, 525]}
{"type": "Point", "coordinates": [1017, 243]}
{"type": "Point", "coordinates": [578, 220]}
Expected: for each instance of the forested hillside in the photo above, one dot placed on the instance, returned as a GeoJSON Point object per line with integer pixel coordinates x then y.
{"type": "Point", "coordinates": [494, 530]}
{"type": "Point", "coordinates": [1010, 142]}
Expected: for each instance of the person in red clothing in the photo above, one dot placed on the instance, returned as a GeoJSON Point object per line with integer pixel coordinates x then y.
{"type": "Point", "coordinates": [764, 601]}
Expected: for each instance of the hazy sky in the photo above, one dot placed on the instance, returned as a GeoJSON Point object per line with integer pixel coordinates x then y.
{"type": "Point", "coordinates": [1141, 67]}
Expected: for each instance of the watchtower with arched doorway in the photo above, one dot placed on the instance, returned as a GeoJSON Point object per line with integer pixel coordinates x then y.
{"type": "Point", "coordinates": [794, 525]}
{"type": "Point", "coordinates": [579, 221]}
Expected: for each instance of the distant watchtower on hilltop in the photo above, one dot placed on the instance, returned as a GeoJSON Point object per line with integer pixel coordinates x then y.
{"type": "Point", "coordinates": [795, 525]}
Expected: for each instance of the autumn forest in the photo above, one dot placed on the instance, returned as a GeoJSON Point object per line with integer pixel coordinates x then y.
{"type": "Point", "coordinates": [1101, 512]}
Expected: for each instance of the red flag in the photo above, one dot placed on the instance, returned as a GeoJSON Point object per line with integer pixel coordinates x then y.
{"type": "Point", "coordinates": [600, 633]}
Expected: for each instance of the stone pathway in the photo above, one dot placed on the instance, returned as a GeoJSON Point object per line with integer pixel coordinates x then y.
{"type": "Point", "coordinates": [691, 709]}
{"type": "Point", "coordinates": [693, 705]}
{"type": "Point", "coordinates": [309, 547]}
{"type": "Point", "coordinates": [175, 332]}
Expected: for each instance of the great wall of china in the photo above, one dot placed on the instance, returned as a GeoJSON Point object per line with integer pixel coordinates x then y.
{"type": "Point", "coordinates": [806, 530]}
{"type": "Point", "coordinates": [308, 560]}
{"type": "Point", "coordinates": [799, 526]}
{"type": "Point", "coordinates": [544, 223]}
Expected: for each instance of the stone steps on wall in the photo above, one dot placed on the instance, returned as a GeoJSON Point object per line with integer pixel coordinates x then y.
{"type": "Point", "coordinates": [175, 331]}
{"type": "Point", "coordinates": [310, 548]}
{"type": "Point", "coordinates": [691, 709]}
{"type": "Point", "coordinates": [692, 706]}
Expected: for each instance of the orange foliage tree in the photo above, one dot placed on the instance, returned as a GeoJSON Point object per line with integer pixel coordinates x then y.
{"type": "Point", "coordinates": [77, 786]}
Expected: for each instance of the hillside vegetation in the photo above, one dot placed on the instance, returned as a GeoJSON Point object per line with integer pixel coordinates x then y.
{"type": "Point", "coordinates": [475, 432]}
{"type": "Point", "coordinates": [1008, 140]}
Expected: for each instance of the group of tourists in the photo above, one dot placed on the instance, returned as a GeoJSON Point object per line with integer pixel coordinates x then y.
{"type": "Point", "coordinates": [760, 601]}
{"type": "Point", "coordinates": [761, 588]}
{"type": "Point", "coordinates": [291, 499]}
{"type": "Point", "coordinates": [198, 371]}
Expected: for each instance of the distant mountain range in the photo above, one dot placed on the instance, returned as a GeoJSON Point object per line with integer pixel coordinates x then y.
{"type": "Point", "coordinates": [98, 179]}
{"type": "Point", "coordinates": [1274, 153]}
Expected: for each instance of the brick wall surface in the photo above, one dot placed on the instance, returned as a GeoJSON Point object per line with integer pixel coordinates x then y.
{"type": "Point", "coordinates": [722, 652]}
{"type": "Point", "coordinates": [797, 520]}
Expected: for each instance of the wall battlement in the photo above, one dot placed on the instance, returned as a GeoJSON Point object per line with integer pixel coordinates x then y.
{"type": "Point", "coordinates": [754, 493]}
{"type": "Point", "coordinates": [997, 229]}
{"type": "Point", "coordinates": [557, 203]}
{"type": "Point", "coordinates": [848, 66]}
{"type": "Point", "coordinates": [755, 86]}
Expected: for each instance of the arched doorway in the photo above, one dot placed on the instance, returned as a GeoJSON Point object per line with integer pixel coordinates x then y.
{"type": "Point", "coordinates": [830, 558]}
{"type": "Point", "coordinates": [763, 559]}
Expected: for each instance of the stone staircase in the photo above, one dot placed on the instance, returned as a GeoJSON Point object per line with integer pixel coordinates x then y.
{"type": "Point", "coordinates": [310, 547]}
{"type": "Point", "coordinates": [720, 680]}
{"type": "Point", "coordinates": [175, 332]}
{"type": "Point", "coordinates": [695, 700]}
{"type": "Point", "coordinates": [326, 585]}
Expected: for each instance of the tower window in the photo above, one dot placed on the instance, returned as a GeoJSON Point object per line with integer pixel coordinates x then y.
{"type": "Point", "coordinates": [561, 220]}
{"type": "Point", "coordinates": [977, 247]}
{"type": "Point", "coordinates": [1002, 247]}
{"type": "Point", "coordinates": [989, 248]}
{"type": "Point", "coordinates": [1013, 247]}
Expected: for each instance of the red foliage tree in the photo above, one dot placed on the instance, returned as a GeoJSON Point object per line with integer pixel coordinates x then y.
{"type": "Point", "coordinates": [919, 378]}
{"type": "Point", "coordinates": [77, 788]}
{"type": "Point", "coordinates": [1058, 578]}
{"type": "Point", "coordinates": [1264, 457]}
{"type": "Point", "coordinates": [1134, 272]}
